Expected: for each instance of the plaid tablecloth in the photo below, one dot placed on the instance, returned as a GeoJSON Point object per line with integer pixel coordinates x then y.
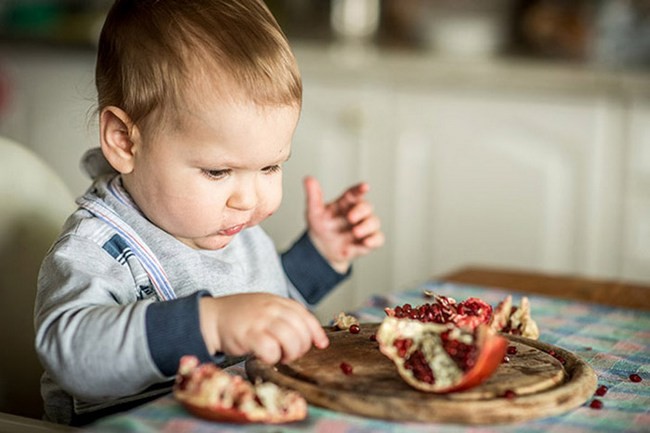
{"type": "Point", "coordinates": [614, 341]}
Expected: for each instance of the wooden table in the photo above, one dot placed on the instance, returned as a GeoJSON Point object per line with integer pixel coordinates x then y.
{"type": "Point", "coordinates": [613, 293]}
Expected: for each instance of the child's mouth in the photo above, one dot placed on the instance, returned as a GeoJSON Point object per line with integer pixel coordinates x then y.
{"type": "Point", "coordinates": [232, 231]}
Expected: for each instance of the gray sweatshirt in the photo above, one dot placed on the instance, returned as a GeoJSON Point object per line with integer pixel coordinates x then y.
{"type": "Point", "coordinates": [105, 336]}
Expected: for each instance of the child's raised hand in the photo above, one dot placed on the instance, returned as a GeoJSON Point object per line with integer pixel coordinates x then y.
{"type": "Point", "coordinates": [273, 328]}
{"type": "Point", "coordinates": [343, 229]}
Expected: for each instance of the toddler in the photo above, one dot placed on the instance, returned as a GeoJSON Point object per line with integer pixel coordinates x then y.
{"type": "Point", "coordinates": [198, 101]}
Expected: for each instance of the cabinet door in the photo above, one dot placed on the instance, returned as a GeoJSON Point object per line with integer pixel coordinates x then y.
{"type": "Point", "coordinates": [636, 251]}
{"type": "Point", "coordinates": [507, 181]}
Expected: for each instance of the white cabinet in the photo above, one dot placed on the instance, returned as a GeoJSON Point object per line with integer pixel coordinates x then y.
{"type": "Point", "coordinates": [636, 224]}
{"type": "Point", "coordinates": [506, 180]}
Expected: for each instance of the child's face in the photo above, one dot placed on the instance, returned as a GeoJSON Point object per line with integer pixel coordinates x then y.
{"type": "Point", "coordinates": [217, 174]}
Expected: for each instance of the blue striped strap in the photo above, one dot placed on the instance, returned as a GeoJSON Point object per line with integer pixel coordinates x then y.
{"type": "Point", "coordinates": [147, 258]}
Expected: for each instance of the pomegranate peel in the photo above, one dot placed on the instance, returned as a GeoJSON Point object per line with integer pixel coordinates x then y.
{"type": "Point", "coordinates": [514, 320]}
{"type": "Point", "coordinates": [210, 392]}
{"type": "Point", "coordinates": [440, 358]}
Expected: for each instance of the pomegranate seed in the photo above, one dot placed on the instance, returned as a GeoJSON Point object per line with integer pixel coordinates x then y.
{"type": "Point", "coordinates": [601, 390]}
{"type": "Point", "coordinates": [373, 337]}
{"type": "Point", "coordinates": [510, 394]}
{"type": "Point", "coordinates": [635, 378]}
{"type": "Point", "coordinates": [596, 404]}
{"type": "Point", "coordinates": [512, 350]}
{"type": "Point", "coordinates": [505, 359]}
{"type": "Point", "coordinates": [346, 368]}
{"type": "Point", "coordinates": [354, 328]}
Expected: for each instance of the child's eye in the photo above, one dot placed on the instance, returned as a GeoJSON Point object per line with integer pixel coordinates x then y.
{"type": "Point", "coordinates": [215, 174]}
{"type": "Point", "coordinates": [271, 169]}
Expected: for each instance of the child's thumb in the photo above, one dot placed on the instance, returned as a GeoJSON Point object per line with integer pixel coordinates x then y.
{"type": "Point", "coordinates": [314, 195]}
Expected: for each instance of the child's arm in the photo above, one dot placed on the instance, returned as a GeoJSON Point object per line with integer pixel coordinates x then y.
{"type": "Point", "coordinates": [91, 336]}
{"type": "Point", "coordinates": [273, 328]}
{"type": "Point", "coordinates": [343, 229]}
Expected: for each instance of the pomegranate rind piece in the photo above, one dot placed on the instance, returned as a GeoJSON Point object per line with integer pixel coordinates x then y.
{"type": "Point", "coordinates": [517, 320]}
{"type": "Point", "coordinates": [344, 321]}
{"type": "Point", "coordinates": [426, 338]}
{"type": "Point", "coordinates": [210, 392]}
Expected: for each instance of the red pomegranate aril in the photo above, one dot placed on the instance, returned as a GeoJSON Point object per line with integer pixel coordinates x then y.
{"type": "Point", "coordinates": [418, 364]}
{"type": "Point", "coordinates": [505, 359]}
{"type": "Point", "coordinates": [346, 368]}
{"type": "Point", "coordinates": [512, 350]}
{"type": "Point", "coordinates": [373, 337]}
{"type": "Point", "coordinates": [601, 390]}
{"type": "Point", "coordinates": [509, 394]}
{"type": "Point", "coordinates": [635, 378]}
{"type": "Point", "coordinates": [354, 328]}
{"type": "Point", "coordinates": [596, 404]}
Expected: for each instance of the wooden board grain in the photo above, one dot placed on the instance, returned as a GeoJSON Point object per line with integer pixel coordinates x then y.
{"type": "Point", "coordinates": [544, 386]}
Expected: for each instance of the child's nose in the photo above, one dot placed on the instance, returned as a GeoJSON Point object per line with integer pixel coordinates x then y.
{"type": "Point", "coordinates": [244, 196]}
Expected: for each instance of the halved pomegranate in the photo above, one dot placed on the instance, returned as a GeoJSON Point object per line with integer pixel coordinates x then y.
{"type": "Point", "coordinates": [210, 392]}
{"type": "Point", "coordinates": [440, 358]}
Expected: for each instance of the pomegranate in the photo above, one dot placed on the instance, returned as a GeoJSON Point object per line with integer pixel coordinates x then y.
{"type": "Point", "coordinates": [467, 314]}
{"type": "Point", "coordinates": [596, 404]}
{"type": "Point", "coordinates": [440, 358]}
{"type": "Point", "coordinates": [210, 392]}
{"type": "Point", "coordinates": [635, 378]}
{"type": "Point", "coordinates": [471, 313]}
{"type": "Point", "coordinates": [346, 368]}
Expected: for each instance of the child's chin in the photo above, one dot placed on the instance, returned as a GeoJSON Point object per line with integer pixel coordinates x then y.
{"type": "Point", "coordinates": [209, 244]}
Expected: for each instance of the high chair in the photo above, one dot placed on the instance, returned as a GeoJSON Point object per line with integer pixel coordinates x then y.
{"type": "Point", "coordinates": [34, 203]}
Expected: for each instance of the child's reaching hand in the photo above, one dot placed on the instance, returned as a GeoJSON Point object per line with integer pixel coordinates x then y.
{"type": "Point", "coordinates": [273, 328]}
{"type": "Point", "coordinates": [343, 229]}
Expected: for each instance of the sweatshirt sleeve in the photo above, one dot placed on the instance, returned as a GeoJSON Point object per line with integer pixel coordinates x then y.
{"type": "Point", "coordinates": [173, 330]}
{"type": "Point", "coordinates": [309, 272]}
{"type": "Point", "coordinates": [95, 338]}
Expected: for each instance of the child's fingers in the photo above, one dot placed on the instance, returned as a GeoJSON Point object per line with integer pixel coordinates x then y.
{"type": "Point", "coordinates": [359, 212]}
{"type": "Point", "coordinates": [366, 227]}
{"type": "Point", "coordinates": [266, 347]}
{"type": "Point", "coordinates": [314, 195]}
{"type": "Point", "coordinates": [374, 241]}
{"type": "Point", "coordinates": [352, 196]}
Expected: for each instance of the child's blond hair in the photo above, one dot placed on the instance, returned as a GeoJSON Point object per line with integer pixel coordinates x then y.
{"type": "Point", "coordinates": [158, 58]}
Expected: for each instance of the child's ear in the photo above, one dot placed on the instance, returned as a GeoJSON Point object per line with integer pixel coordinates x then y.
{"type": "Point", "coordinates": [119, 137]}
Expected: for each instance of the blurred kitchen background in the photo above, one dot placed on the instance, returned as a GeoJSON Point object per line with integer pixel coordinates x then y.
{"type": "Point", "coordinates": [513, 133]}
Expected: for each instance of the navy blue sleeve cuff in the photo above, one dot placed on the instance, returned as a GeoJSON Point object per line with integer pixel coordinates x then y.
{"type": "Point", "coordinates": [174, 330]}
{"type": "Point", "coordinates": [309, 272]}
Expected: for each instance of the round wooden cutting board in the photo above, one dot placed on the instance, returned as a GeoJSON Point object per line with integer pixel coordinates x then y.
{"type": "Point", "coordinates": [543, 386]}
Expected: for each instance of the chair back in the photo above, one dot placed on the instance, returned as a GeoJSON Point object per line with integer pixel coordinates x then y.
{"type": "Point", "coordinates": [34, 203]}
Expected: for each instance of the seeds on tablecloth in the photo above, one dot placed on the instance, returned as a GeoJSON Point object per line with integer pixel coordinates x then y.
{"type": "Point", "coordinates": [596, 404]}
{"type": "Point", "coordinates": [601, 390]}
{"type": "Point", "coordinates": [354, 329]}
{"type": "Point", "coordinates": [512, 350]}
{"type": "Point", "coordinates": [635, 378]}
{"type": "Point", "coordinates": [509, 394]}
